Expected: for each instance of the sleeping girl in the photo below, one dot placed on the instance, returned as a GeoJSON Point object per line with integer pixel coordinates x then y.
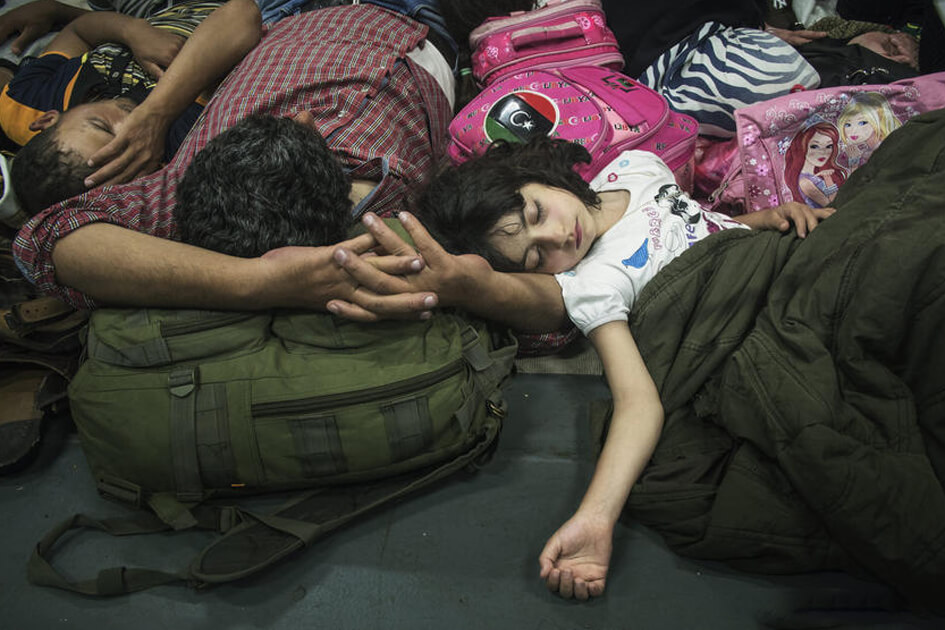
{"type": "Point", "coordinates": [523, 208]}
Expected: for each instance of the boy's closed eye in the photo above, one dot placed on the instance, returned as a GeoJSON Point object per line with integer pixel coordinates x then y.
{"type": "Point", "coordinates": [102, 125]}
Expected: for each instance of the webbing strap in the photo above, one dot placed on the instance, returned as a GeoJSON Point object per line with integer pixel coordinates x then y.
{"type": "Point", "coordinates": [171, 511]}
{"type": "Point", "coordinates": [214, 443]}
{"type": "Point", "coordinates": [182, 385]}
{"type": "Point", "coordinates": [120, 580]}
{"type": "Point", "coordinates": [490, 367]}
{"type": "Point", "coordinates": [260, 541]}
{"type": "Point", "coordinates": [150, 353]}
{"type": "Point", "coordinates": [474, 352]}
{"type": "Point", "coordinates": [112, 581]}
{"type": "Point", "coordinates": [409, 427]}
{"type": "Point", "coordinates": [318, 445]}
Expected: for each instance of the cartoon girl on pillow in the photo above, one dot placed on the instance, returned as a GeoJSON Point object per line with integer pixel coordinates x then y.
{"type": "Point", "coordinates": [864, 123]}
{"type": "Point", "coordinates": [810, 165]}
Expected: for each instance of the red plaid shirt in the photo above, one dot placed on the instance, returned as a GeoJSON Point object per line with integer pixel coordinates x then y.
{"type": "Point", "coordinates": [383, 116]}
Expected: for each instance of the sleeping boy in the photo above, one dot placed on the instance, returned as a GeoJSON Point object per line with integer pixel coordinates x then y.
{"type": "Point", "coordinates": [136, 100]}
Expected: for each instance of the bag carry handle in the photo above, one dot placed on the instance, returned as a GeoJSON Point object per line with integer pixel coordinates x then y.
{"type": "Point", "coordinates": [268, 538]}
{"type": "Point", "coordinates": [538, 35]}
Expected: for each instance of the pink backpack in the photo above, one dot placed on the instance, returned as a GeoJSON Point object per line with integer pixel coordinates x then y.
{"type": "Point", "coordinates": [601, 109]}
{"type": "Point", "coordinates": [562, 33]}
{"type": "Point", "coordinates": [803, 146]}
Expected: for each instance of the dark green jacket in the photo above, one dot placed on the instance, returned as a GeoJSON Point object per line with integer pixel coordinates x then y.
{"type": "Point", "coordinates": [804, 384]}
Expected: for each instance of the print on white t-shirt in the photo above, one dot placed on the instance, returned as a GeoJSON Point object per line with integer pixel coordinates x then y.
{"type": "Point", "coordinates": [661, 222]}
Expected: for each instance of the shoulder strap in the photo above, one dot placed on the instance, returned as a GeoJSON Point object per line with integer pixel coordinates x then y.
{"type": "Point", "coordinates": [251, 541]}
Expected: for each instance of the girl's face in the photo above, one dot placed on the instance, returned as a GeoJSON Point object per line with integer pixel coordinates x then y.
{"type": "Point", "coordinates": [550, 235]}
{"type": "Point", "coordinates": [819, 149]}
{"type": "Point", "coordinates": [858, 129]}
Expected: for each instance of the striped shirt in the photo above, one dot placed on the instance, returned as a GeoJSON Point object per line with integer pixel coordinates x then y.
{"type": "Point", "coordinates": [382, 115]}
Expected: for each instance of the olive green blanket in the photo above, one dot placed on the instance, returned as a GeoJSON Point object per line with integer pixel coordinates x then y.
{"type": "Point", "coordinates": [804, 384]}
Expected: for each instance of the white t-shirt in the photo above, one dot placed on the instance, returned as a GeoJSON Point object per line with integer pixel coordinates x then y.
{"type": "Point", "coordinates": [660, 223]}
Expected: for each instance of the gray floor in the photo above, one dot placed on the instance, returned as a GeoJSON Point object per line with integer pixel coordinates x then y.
{"type": "Point", "coordinates": [461, 555]}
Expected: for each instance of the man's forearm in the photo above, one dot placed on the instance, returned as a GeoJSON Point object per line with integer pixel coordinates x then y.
{"type": "Point", "coordinates": [117, 266]}
{"type": "Point", "coordinates": [527, 302]}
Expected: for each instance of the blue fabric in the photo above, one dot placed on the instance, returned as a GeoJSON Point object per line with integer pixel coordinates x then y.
{"type": "Point", "coordinates": [274, 10]}
{"type": "Point", "coordinates": [719, 69]}
{"type": "Point", "coordinates": [424, 11]}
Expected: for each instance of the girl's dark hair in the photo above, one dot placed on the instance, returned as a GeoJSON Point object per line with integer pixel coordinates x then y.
{"type": "Point", "coordinates": [462, 204]}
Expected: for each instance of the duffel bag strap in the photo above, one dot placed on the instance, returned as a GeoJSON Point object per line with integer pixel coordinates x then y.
{"type": "Point", "coordinates": [262, 541]}
{"type": "Point", "coordinates": [251, 542]}
{"type": "Point", "coordinates": [182, 385]}
{"type": "Point", "coordinates": [120, 580]}
{"type": "Point", "coordinates": [112, 581]}
{"type": "Point", "coordinates": [490, 366]}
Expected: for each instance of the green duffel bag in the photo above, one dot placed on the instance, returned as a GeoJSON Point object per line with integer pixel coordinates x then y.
{"type": "Point", "coordinates": [176, 407]}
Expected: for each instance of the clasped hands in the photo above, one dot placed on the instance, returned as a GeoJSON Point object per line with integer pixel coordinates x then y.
{"type": "Point", "coordinates": [374, 276]}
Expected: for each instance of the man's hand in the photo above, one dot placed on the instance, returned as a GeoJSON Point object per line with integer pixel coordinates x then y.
{"type": "Point", "coordinates": [899, 47]}
{"type": "Point", "coordinates": [137, 149]}
{"type": "Point", "coordinates": [32, 21]}
{"type": "Point", "coordinates": [780, 218]}
{"type": "Point", "coordinates": [154, 48]}
{"type": "Point", "coordinates": [575, 559]}
{"type": "Point", "coordinates": [795, 38]}
{"type": "Point", "coordinates": [440, 278]}
{"type": "Point", "coordinates": [313, 277]}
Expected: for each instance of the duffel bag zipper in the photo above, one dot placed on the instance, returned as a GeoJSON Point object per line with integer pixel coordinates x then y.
{"type": "Point", "coordinates": [175, 329]}
{"type": "Point", "coordinates": [373, 394]}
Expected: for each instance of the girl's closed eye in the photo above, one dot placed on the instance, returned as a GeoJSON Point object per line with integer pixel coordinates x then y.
{"type": "Point", "coordinates": [533, 214]}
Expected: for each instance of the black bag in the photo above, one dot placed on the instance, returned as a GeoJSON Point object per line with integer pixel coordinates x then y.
{"type": "Point", "coordinates": [39, 352]}
{"type": "Point", "coordinates": [838, 63]}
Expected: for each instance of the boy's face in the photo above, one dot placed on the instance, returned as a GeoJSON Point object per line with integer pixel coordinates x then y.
{"type": "Point", "coordinates": [551, 234]}
{"type": "Point", "coordinates": [87, 128]}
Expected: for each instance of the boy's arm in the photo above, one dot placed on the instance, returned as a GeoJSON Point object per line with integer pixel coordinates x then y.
{"type": "Point", "coordinates": [217, 44]}
{"type": "Point", "coordinates": [152, 47]}
{"type": "Point", "coordinates": [35, 19]}
{"type": "Point", "coordinates": [575, 559]}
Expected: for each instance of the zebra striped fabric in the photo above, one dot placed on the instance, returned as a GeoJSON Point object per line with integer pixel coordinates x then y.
{"type": "Point", "coordinates": [718, 69]}
{"type": "Point", "coordinates": [135, 8]}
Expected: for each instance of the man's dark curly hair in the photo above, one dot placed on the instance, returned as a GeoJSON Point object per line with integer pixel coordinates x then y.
{"type": "Point", "coordinates": [44, 173]}
{"type": "Point", "coordinates": [264, 183]}
{"type": "Point", "coordinates": [462, 205]}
